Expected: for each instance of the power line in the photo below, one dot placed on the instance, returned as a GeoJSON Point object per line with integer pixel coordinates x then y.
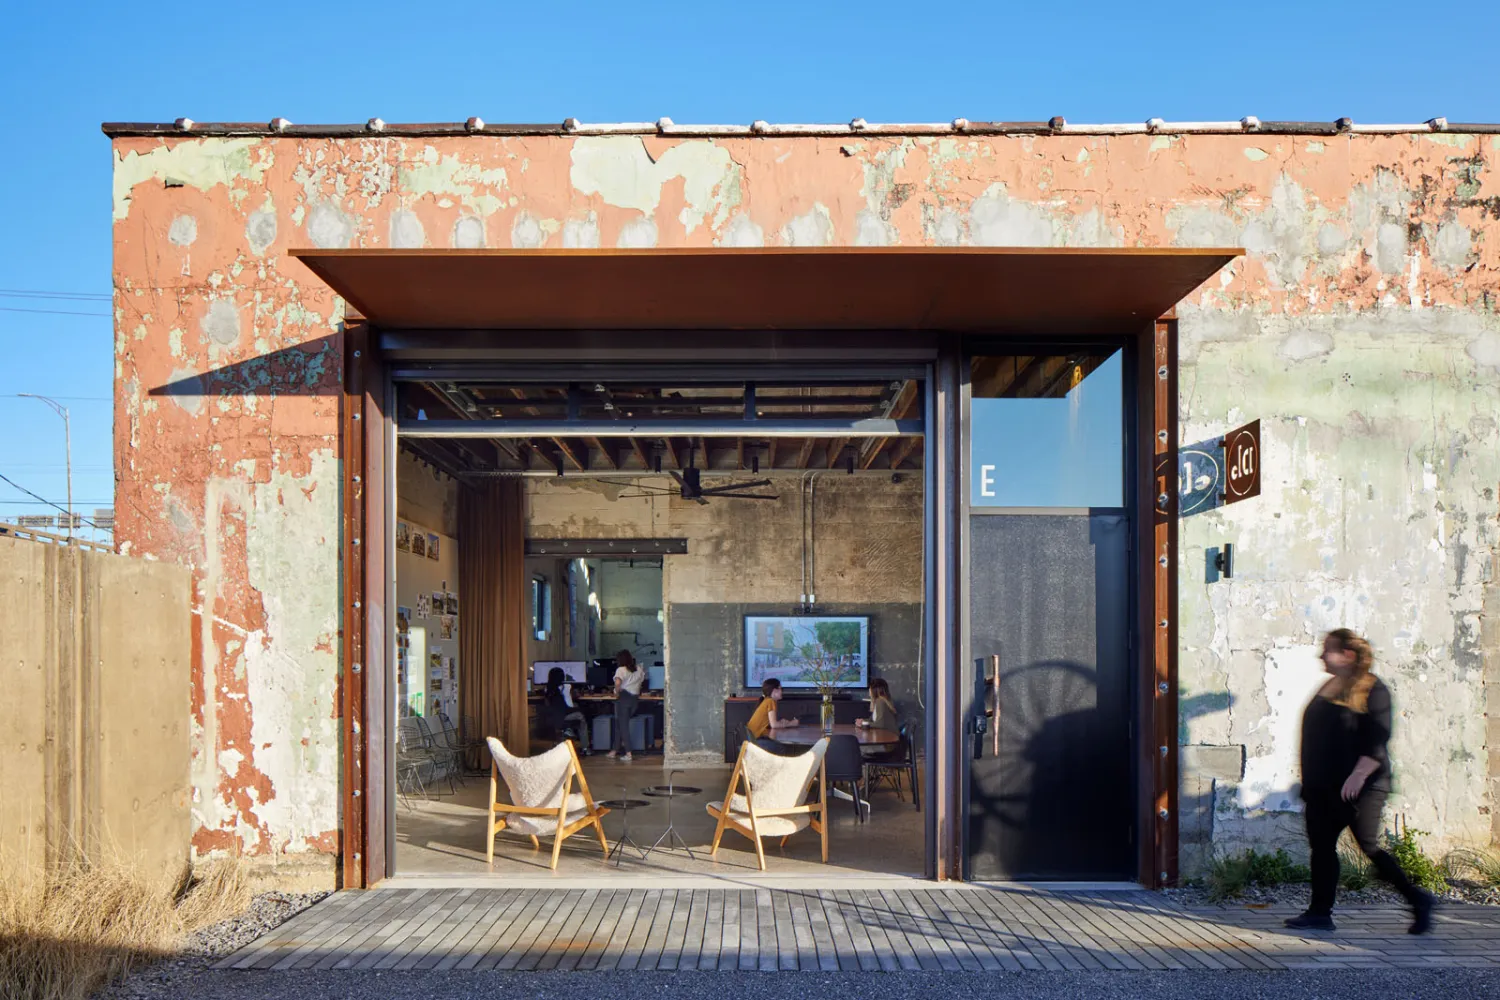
{"type": "Point", "coordinates": [25, 293]}
{"type": "Point", "coordinates": [55, 312]}
{"type": "Point", "coordinates": [89, 399]}
{"type": "Point", "coordinates": [49, 503]}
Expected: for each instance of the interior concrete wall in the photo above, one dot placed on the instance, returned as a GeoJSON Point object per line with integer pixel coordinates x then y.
{"type": "Point", "coordinates": [631, 597]}
{"type": "Point", "coordinates": [94, 728]}
{"type": "Point", "coordinates": [746, 557]}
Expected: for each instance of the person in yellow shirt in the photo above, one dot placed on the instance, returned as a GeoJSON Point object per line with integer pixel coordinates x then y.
{"type": "Point", "coordinates": [765, 721]}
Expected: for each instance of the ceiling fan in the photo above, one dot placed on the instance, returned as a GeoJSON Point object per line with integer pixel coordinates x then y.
{"type": "Point", "coordinates": [690, 487]}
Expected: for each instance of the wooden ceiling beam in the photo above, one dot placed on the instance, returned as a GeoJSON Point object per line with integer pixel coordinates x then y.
{"type": "Point", "coordinates": [835, 449]}
{"type": "Point", "coordinates": [610, 456]}
{"type": "Point", "coordinates": [901, 409]}
{"type": "Point", "coordinates": [568, 448]}
{"type": "Point", "coordinates": [806, 452]}
{"type": "Point", "coordinates": [902, 450]}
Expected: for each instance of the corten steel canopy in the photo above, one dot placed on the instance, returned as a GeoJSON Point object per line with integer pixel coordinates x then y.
{"type": "Point", "coordinates": [1020, 290]}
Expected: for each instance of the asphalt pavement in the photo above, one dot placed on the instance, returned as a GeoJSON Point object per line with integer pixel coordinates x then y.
{"type": "Point", "coordinates": [1340, 984]}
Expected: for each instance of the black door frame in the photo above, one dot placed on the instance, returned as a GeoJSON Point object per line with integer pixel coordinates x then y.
{"type": "Point", "coordinates": [1136, 414]}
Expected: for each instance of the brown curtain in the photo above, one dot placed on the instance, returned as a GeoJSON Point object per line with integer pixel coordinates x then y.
{"type": "Point", "coordinates": [492, 588]}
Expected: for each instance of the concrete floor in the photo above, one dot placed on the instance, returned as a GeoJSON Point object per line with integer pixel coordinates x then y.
{"type": "Point", "coordinates": [444, 835]}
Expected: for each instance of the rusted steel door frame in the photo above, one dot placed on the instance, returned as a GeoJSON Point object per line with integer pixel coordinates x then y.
{"type": "Point", "coordinates": [364, 441]}
{"type": "Point", "coordinates": [1157, 700]}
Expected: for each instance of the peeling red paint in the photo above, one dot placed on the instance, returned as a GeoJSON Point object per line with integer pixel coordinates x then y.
{"type": "Point", "coordinates": [228, 350]}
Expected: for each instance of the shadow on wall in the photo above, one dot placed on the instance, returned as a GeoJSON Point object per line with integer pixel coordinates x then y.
{"type": "Point", "coordinates": [1046, 805]}
{"type": "Point", "coordinates": [1053, 801]}
{"type": "Point", "coordinates": [1197, 784]}
{"type": "Point", "coordinates": [309, 369]}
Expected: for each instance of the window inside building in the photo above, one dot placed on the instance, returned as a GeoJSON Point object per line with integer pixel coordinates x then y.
{"type": "Point", "coordinates": [541, 608]}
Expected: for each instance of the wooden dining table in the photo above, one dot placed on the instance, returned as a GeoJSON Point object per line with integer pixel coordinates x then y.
{"type": "Point", "coordinates": [868, 736]}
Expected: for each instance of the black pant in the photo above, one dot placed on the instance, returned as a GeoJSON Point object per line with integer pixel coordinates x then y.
{"type": "Point", "coordinates": [625, 704]}
{"type": "Point", "coordinates": [777, 747]}
{"type": "Point", "coordinates": [1327, 815]}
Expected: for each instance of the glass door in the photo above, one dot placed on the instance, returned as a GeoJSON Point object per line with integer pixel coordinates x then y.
{"type": "Point", "coordinates": [1050, 592]}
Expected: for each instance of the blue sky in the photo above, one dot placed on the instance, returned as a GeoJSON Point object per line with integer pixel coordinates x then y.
{"type": "Point", "coordinates": [64, 68]}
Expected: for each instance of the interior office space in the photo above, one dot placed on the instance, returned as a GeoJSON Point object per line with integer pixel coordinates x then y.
{"type": "Point", "coordinates": [712, 564]}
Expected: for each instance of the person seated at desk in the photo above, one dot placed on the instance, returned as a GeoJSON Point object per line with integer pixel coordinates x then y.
{"type": "Point", "coordinates": [882, 709]}
{"type": "Point", "coordinates": [883, 715]}
{"type": "Point", "coordinates": [557, 703]}
{"type": "Point", "coordinates": [766, 721]}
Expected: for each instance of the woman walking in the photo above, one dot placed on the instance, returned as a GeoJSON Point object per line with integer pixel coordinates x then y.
{"type": "Point", "coordinates": [1346, 777]}
{"type": "Point", "coordinates": [629, 679]}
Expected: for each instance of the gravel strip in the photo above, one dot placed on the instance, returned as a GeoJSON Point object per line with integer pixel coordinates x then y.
{"type": "Point", "coordinates": [200, 950]}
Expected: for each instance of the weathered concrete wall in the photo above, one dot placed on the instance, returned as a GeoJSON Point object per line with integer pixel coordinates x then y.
{"type": "Point", "coordinates": [1369, 256]}
{"type": "Point", "coordinates": [746, 558]}
{"type": "Point", "coordinates": [94, 724]}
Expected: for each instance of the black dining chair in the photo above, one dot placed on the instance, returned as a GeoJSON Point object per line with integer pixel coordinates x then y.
{"type": "Point", "coordinates": [889, 766]}
{"type": "Point", "coordinates": [845, 766]}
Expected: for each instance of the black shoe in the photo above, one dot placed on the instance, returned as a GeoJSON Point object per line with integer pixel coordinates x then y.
{"type": "Point", "coordinates": [1309, 921]}
{"type": "Point", "coordinates": [1422, 909]}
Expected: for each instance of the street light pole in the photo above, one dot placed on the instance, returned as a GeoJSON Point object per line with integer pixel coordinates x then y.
{"type": "Point", "coordinates": [62, 411]}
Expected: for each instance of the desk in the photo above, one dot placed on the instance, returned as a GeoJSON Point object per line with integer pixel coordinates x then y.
{"type": "Point", "coordinates": [596, 705]}
{"type": "Point", "coordinates": [806, 736]}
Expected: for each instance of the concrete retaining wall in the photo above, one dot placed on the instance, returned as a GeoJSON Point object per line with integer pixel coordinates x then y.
{"type": "Point", "coordinates": [94, 724]}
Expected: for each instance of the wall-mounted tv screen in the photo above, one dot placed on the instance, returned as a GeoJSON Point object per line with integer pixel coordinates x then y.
{"type": "Point", "coordinates": [798, 650]}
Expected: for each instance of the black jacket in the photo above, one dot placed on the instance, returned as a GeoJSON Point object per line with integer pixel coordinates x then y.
{"type": "Point", "coordinates": [1334, 738]}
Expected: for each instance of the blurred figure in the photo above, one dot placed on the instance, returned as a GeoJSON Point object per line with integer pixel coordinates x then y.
{"type": "Point", "coordinates": [1346, 777]}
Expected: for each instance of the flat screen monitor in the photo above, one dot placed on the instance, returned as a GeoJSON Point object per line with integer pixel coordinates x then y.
{"type": "Point", "coordinates": [601, 676]}
{"type": "Point", "coordinates": [801, 650]}
{"type": "Point", "coordinates": [656, 678]}
{"type": "Point", "coordinates": [576, 670]}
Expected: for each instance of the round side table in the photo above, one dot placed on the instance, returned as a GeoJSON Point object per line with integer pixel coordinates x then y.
{"type": "Point", "coordinates": [624, 805]}
{"type": "Point", "coordinates": [669, 792]}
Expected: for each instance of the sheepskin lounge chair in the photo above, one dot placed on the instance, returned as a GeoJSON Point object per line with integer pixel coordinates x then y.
{"type": "Point", "coordinates": [774, 801]}
{"type": "Point", "coordinates": [543, 802]}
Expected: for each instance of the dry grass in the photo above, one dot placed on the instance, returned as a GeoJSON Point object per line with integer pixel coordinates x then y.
{"type": "Point", "coordinates": [1477, 863]}
{"type": "Point", "coordinates": [66, 933]}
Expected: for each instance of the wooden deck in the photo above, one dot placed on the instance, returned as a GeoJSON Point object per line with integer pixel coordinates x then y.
{"type": "Point", "coordinates": [976, 928]}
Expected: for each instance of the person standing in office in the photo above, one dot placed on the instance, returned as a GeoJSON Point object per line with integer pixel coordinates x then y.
{"type": "Point", "coordinates": [1346, 777]}
{"type": "Point", "coordinates": [629, 680]}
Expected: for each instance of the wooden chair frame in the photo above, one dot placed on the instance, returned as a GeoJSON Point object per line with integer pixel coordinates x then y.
{"type": "Point", "coordinates": [559, 812]}
{"type": "Point", "coordinates": [721, 811]}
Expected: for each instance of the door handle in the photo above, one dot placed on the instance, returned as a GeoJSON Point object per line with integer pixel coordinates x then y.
{"type": "Point", "coordinates": [994, 682]}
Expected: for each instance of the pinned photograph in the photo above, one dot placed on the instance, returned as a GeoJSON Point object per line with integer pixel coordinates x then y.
{"type": "Point", "coordinates": [445, 631]}
{"type": "Point", "coordinates": [418, 544]}
{"type": "Point", "coordinates": [424, 606]}
{"type": "Point", "coordinates": [403, 619]}
{"type": "Point", "coordinates": [432, 545]}
{"type": "Point", "coordinates": [452, 604]}
{"type": "Point", "coordinates": [435, 661]}
{"type": "Point", "coordinates": [403, 536]}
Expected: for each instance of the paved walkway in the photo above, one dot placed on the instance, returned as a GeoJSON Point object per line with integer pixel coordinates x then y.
{"type": "Point", "coordinates": [973, 928]}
